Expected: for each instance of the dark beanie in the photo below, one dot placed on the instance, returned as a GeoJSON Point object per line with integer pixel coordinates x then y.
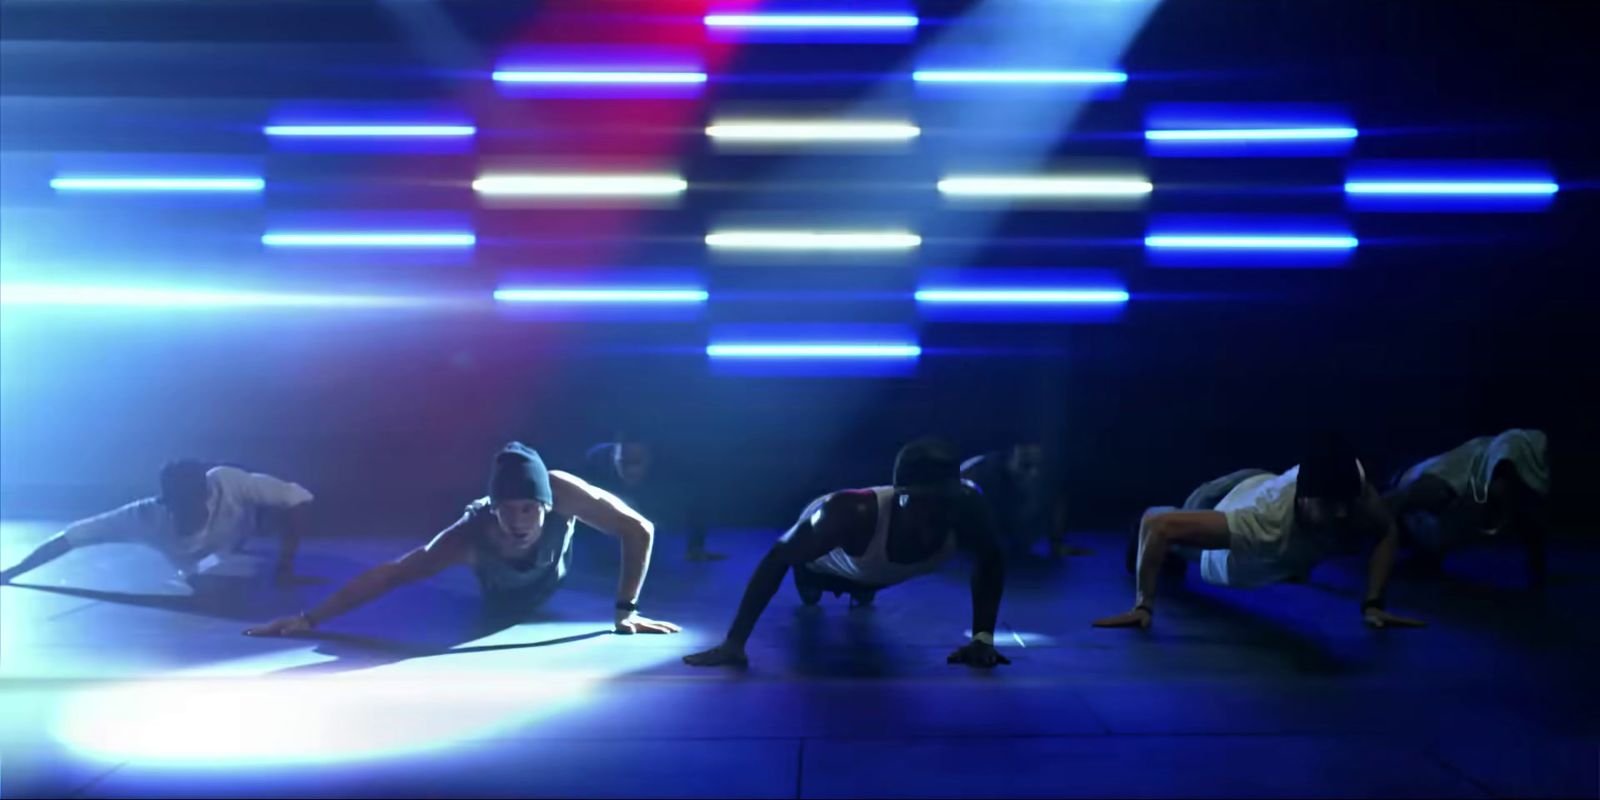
{"type": "Point", "coordinates": [1330, 471]}
{"type": "Point", "coordinates": [927, 461]}
{"type": "Point", "coordinates": [519, 474]}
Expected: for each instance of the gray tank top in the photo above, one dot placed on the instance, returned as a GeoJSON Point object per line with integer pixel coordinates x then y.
{"type": "Point", "coordinates": [532, 578]}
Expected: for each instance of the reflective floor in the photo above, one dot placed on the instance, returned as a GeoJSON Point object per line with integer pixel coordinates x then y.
{"type": "Point", "coordinates": [115, 683]}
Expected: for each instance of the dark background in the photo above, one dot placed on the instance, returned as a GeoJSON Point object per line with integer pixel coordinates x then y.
{"type": "Point", "coordinates": [1442, 327]}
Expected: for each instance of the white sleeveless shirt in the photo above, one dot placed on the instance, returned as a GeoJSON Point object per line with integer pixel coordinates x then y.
{"type": "Point", "coordinates": [873, 567]}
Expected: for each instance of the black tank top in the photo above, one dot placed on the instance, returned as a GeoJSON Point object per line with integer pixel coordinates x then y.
{"type": "Point", "coordinates": [531, 578]}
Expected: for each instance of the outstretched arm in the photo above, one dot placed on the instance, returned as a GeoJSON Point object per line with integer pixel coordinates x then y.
{"type": "Point", "coordinates": [449, 547]}
{"type": "Point", "coordinates": [976, 536]}
{"type": "Point", "coordinates": [607, 513]}
{"type": "Point", "coordinates": [1381, 565]}
{"type": "Point", "coordinates": [1158, 533]}
{"type": "Point", "coordinates": [809, 539]}
{"type": "Point", "coordinates": [291, 524]}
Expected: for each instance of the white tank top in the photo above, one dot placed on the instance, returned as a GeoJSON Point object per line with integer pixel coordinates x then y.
{"type": "Point", "coordinates": [873, 567]}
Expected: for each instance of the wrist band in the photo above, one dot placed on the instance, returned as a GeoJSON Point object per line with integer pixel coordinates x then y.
{"type": "Point", "coordinates": [985, 637]}
{"type": "Point", "coordinates": [1376, 602]}
{"type": "Point", "coordinates": [1146, 609]}
{"type": "Point", "coordinates": [624, 605]}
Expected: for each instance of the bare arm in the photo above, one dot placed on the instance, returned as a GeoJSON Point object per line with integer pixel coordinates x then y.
{"type": "Point", "coordinates": [1207, 530]}
{"type": "Point", "coordinates": [605, 512]}
{"type": "Point", "coordinates": [292, 524]}
{"type": "Point", "coordinates": [448, 548]}
{"type": "Point", "coordinates": [811, 537]}
{"type": "Point", "coordinates": [977, 537]}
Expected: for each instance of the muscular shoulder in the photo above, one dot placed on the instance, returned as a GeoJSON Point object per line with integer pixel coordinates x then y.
{"type": "Point", "coordinates": [848, 506]}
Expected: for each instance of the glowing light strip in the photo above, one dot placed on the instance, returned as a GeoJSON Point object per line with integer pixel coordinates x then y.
{"type": "Point", "coordinates": [596, 77]}
{"type": "Point", "coordinates": [147, 297]}
{"type": "Point", "coordinates": [1252, 135]}
{"type": "Point", "coordinates": [599, 296]}
{"type": "Point", "coordinates": [1016, 76]}
{"type": "Point", "coordinates": [367, 239]}
{"type": "Point", "coordinates": [984, 186]}
{"type": "Point", "coordinates": [810, 21]}
{"type": "Point", "coordinates": [369, 131]}
{"type": "Point", "coordinates": [1232, 242]}
{"type": "Point", "coordinates": [1484, 188]}
{"type": "Point", "coordinates": [1021, 296]}
{"type": "Point", "coordinates": [579, 185]}
{"type": "Point", "coordinates": [812, 131]}
{"type": "Point", "coordinates": [802, 350]}
{"type": "Point", "coordinates": [813, 240]}
{"type": "Point", "coordinates": [154, 184]}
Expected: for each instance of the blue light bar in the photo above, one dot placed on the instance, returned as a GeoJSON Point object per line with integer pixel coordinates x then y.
{"type": "Point", "coordinates": [1250, 242]}
{"type": "Point", "coordinates": [156, 184]}
{"type": "Point", "coordinates": [1453, 188]}
{"type": "Point", "coordinates": [812, 21]}
{"type": "Point", "coordinates": [1018, 76]}
{"type": "Point", "coordinates": [380, 131]}
{"type": "Point", "coordinates": [591, 77]}
{"type": "Point", "coordinates": [368, 239]}
{"type": "Point", "coordinates": [813, 350]}
{"type": "Point", "coordinates": [1252, 135]}
{"type": "Point", "coordinates": [33, 294]}
{"type": "Point", "coordinates": [1021, 296]}
{"type": "Point", "coordinates": [566, 296]}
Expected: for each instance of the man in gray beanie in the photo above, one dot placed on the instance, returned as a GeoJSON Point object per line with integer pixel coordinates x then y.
{"type": "Point", "coordinates": [860, 541]}
{"type": "Point", "coordinates": [518, 542]}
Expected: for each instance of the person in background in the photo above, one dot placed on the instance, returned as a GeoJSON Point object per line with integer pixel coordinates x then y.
{"type": "Point", "coordinates": [1026, 506]}
{"type": "Point", "coordinates": [632, 468]}
{"type": "Point", "coordinates": [1491, 487]}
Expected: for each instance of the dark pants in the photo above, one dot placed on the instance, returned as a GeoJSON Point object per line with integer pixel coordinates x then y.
{"type": "Point", "coordinates": [829, 582]}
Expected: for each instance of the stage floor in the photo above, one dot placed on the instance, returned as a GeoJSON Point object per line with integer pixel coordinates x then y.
{"type": "Point", "coordinates": [116, 684]}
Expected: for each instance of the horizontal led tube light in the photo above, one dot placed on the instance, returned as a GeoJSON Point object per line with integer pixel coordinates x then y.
{"type": "Point", "coordinates": [1252, 135]}
{"type": "Point", "coordinates": [1021, 296]}
{"type": "Point", "coordinates": [367, 239]}
{"type": "Point", "coordinates": [820, 21]}
{"type": "Point", "coordinates": [579, 185]}
{"type": "Point", "coordinates": [154, 184]}
{"type": "Point", "coordinates": [979, 186]}
{"type": "Point", "coordinates": [810, 350]}
{"type": "Point", "coordinates": [545, 296]}
{"type": "Point", "coordinates": [145, 297]}
{"type": "Point", "coordinates": [370, 131]}
{"type": "Point", "coordinates": [1016, 76]}
{"type": "Point", "coordinates": [813, 240]}
{"type": "Point", "coordinates": [599, 77]}
{"type": "Point", "coordinates": [813, 131]}
{"type": "Point", "coordinates": [1466, 188]}
{"type": "Point", "coordinates": [1251, 242]}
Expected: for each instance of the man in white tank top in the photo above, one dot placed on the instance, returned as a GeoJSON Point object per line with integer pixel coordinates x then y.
{"type": "Point", "coordinates": [860, 541]}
